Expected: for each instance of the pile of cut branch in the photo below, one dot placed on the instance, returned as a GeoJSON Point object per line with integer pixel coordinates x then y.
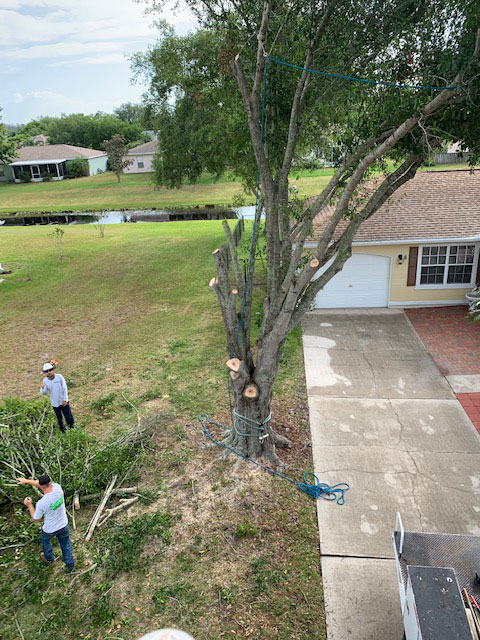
{"type": "Point", "coordinates": [31, 444]}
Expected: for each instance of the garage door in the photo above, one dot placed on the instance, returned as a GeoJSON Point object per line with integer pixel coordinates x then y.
{"type": "Point", "coordinates": [363, 282]}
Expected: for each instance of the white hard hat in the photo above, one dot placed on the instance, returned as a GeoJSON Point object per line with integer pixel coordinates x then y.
{"type": "Point", "coordinates": [48, 366]}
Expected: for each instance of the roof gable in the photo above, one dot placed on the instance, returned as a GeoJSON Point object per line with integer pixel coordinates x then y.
{"type": "Point", "coordinates": [147, 147]}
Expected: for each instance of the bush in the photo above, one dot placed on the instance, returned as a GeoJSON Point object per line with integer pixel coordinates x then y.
{"type": "Point", "coordinates": [47, 178]}
{"type": "Point", "coordinates": [31, 444]}
{"type": "Point", "coordinates": [25, 176]}
{"type": "Point", "coordinates": [77, 168]}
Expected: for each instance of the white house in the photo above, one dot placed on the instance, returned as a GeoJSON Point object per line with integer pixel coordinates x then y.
{"type": "Point", "coordinates": [50, 161]}
{"type": "Point", "coordinates": [142, 157]}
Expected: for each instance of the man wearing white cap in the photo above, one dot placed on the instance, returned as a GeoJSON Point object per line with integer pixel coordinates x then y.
{"type": "Point", "coordinates": [55, 386]}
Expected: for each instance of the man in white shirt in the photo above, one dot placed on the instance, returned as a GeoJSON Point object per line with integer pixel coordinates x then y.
{"type": "Point", "coordinates": [55, 525]}
{"type": "Point", "coordinates": [55, 386]}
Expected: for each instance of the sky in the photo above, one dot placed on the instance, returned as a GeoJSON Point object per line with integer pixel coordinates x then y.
{"type": "Point", "coordinates": [70, 56]}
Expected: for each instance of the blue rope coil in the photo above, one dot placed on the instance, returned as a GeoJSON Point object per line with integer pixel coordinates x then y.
{"type": "Point", "coordinates": [315, 490]}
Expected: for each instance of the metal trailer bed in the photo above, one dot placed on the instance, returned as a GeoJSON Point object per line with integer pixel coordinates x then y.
{"type": "Point", "coordinates": [432, 571]}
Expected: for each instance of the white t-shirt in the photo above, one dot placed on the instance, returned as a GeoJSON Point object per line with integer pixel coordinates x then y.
{"type": "Point", "coordinates": [52, 508]}
{"type": "Point", "coordinates": [56, 389]}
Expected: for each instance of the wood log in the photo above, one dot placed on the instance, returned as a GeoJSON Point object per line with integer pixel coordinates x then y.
{"type": "Point", "coordinates": [76, 501]}
{"type": "Point", "coordinates": [234, 364]}
{"type": "Point", "coordinates": [212, 282]}
{"type": "Point", "coordinates": [234, 375]}
{"type": "Point", "coordinates": [250, 391]}
{"type": "Point", "coordinates": [215, 252]}
{"type": "Point", "coordinates": [314, 262]}
{"type": "Point", "coordinates": [100, 508]}
{"type": "Point", "coordinates": [115, 492]}
{"type": "Point", "coordinates": [124, 505]}
{"type": "Point", "coordinates": [234, 292]}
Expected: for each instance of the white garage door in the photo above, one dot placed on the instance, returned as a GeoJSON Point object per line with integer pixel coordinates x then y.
{"type": "Point", "coordinates": [363, 282]}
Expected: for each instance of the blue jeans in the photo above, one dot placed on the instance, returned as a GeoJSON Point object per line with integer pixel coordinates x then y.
{"type": "Point", "coordinates": [63, 537]}
{"type": "Point", "coordinates": [67, 412]}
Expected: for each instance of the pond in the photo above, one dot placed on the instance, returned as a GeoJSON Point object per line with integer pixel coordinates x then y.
{"type": "Point", "coordinates": [133, 215]}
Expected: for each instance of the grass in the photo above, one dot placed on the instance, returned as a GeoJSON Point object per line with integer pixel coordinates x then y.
{"type": "Point", "coordinates": [103, 192]}
{"type": "Point", "coordinates": [217, 548]}
{"type": "Point", "coordinates": [137, 191]}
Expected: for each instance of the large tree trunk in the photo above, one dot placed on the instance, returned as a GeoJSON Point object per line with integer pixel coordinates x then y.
{"type": "Point", "coordinates": [253, 432]}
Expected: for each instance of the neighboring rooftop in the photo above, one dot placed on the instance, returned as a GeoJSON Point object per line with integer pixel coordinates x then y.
{"type": "Point", "coordinates": [148, 147]}
{"type": "Point", "coordinates": [434, 204]}
{"type": "Point", "coordinates": [54, 152]}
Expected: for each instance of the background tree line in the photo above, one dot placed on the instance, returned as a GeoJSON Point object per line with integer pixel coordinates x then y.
{"type": "Point", "coordinates": [83, 130]}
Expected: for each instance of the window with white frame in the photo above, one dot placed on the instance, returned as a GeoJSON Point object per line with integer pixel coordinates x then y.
{"type": "Point", "coordinates": [446, 265]}
{"type": "Point", "coordinates": [140, 164]}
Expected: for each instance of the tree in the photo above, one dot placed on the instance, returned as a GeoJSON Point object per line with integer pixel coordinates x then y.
{"type": "Point", "coordinates": [423, 43]}
{"type": "Point", "coordinates": [8, 145]}
{"type": "Point", "coordinates": [117, 151]}
{"type": "Point", "coordinates": [84, 130]}
{"type": "Point", "coordinates": [37, 127]}
{"type": "Point", "coordinates": [130, 112]}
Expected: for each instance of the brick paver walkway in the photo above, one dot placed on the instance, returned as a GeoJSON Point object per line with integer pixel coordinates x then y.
{"type": "Point", "coordinates": [471, 403]}
{"type": "Point", "coordinates": [452, 341]}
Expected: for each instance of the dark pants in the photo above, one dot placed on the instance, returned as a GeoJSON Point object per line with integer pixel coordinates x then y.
{"type": "Point", "coordinates": [63, 537]}
{"type": "Point", "coordinates": [67, 412]}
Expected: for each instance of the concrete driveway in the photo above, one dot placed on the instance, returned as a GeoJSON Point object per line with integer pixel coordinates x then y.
{"type": "Point", "coordinates": [386, 421]}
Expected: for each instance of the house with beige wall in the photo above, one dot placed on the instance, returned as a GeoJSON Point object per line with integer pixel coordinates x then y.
{"type": "Point", "coordinates": [141, 158]}
{"type": "Point", "coordinates": [421, 248]}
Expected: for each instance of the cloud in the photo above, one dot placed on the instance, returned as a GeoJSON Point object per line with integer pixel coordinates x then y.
{"type": "Point", "coordinates": [108, 58]}
{"type": "Point", "coordinates": [34, 29]}
{"type": "Point", "coordinates": [54, 41]}
{"type": "Point", "coordinates": [63, 50]}
{"type": "Point", "coordinates": [54, 102]}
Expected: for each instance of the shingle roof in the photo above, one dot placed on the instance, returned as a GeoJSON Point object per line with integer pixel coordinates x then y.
{"type": "Point", "coordinates": [434, 204]}
{"type": "Point", "coordinates": [55, 152]}
{"type": "Point", "coordinates": [148, 147]}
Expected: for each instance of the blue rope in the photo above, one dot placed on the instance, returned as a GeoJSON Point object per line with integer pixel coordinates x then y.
{"type": "Point", "coordinates": [249, 422]}
{"type": "Point", "coordinates": [315, 490]}
{"type": "Point", "coordinates": [375, 83]}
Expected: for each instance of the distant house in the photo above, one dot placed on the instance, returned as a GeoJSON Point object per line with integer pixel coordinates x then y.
{"type": "Point", "coordinates": [142, 157]}
{"type": "Point", "coordinates": [50, 160]}
{"type": "Point", "coordinates": [40, 139]}
{"type": "Point", "coordinates": [421, 248]}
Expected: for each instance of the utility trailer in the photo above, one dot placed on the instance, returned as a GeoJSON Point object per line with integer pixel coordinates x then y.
{"type": "Point", "coordinates": [433, 570]}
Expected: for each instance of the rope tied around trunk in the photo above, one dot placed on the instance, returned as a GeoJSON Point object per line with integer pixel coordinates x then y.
{"type": "Point", "coordinates": [315, 490]}
{"type": "Point", "coordinates": [250, 422]}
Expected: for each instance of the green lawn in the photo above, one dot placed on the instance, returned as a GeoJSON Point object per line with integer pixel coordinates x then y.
{"type": "Point", "coordinates": [103, 192]}
{"type": "Point", "coordinates": [130, 317]}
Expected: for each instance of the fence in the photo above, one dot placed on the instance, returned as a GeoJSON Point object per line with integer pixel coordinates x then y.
{"type": "Point", "coordinates": [451, 158]}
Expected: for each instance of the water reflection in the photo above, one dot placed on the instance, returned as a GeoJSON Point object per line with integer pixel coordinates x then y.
{"type": "Point", "coordinates": [130, 216]}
